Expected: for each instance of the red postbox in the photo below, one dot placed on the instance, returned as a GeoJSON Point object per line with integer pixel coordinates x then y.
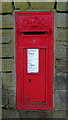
{"type": "Point", "coordinates": [34, 59]}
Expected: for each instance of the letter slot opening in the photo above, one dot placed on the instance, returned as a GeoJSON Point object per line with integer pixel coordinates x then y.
{"type": "Point", "coordinates": [35, 33]}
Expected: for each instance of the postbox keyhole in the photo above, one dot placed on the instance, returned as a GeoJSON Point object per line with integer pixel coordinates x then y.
{"type": "Point", "coordinates": [30, 80]}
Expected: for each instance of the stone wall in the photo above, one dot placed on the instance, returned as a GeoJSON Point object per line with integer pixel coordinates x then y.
{"type": "Point", "coordinates": [7, 73]}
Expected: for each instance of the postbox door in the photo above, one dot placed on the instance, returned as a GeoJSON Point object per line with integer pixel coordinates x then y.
{"type": "Point", "coordinates": [34, 75]}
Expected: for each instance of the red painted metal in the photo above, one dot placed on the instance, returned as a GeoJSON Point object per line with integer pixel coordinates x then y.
{"type": "Point", "coordinates": [34, 30]}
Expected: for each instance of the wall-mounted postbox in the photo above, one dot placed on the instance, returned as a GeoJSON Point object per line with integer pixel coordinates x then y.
{"type": "Point", "coordinates": [34, 59]}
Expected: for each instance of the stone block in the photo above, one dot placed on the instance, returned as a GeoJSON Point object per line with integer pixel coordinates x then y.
{"type": "Point", "coordinates": [22, 5]}
{"type": "Point", "coordinates": [7, 21]}
{"type": "Point", "coordinates": [60, 100]}
{"type": "Point", "coordinates": [1, 80]}
{"type": "Point", "coordinates": [42, 114]}
{"type": "Point", "coordinates": [62, 34]}
{"type": "Point", "coordinates": [0, 7]}
{"type": "Point", "coordinates": [1, 50]}
{"type": "Point", "coordinates": [12, 97]}
{"type": "Point", "coordinates": [0, 21]}
{"type": "Point", "coordinates": [59, 114]}
{"type": "Point", "coordinates": [60, 65]}
{"type": "Point", "coordinates": [7, 7]}
{"type": "Point", "coordinates": [42, 5]}
{"type": "Point", "coordinates": [4, 97]}
{"type": "Point", "coordinates": [60, 81]}
{"type": "Point", "coordinates": [6, 65]}
{"type": "Point", "coordinates": [8, 114]}
{"type": "Point", "coordinates": [60, 50]}
{"type": "Point", "coordinates": [0, 113]}
{"type": "Point", "coordinates": [35, 114]}
{"type": "Point", "coordinates": [0, 96]}
{"type": "Point", "coordinates": [61, 20]}
{"type": "Point", "coordinates": [7, 50]}
{"type": "Point", "coordinates": [0, 64]}
{"type": "Point", "coordinates": [6, 36]}
{"type": "Point", "coordinates": [62, 6]}
{"type": "Point", "coordinates": [7, 79]}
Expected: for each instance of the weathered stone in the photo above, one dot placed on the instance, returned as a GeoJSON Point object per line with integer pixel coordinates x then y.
{"type": "Point", "coordinates": [60, 62]}
{"type": "Point", "coordinates": [1, 80]}
{"type": "Point", "coordinates": [6, 65]}
{"type": "Point", "coordinates": [7, 7]}
{"type": "Point", "coordinates": [35, 114]}
{"type": "Point", "coordinates": [25, 114]}
{"type": "Point", "coordinates": [0, 96]}
{"type": "Point", "coordinates": [7, 79]}
{"type": "Point", "coordinates": [6, 36]}
{"type": "Point", "coordinates": [12, 97]}
{"type": "Point", "coordinates": [4, 97]}
{"type": "Point", "coordinates": [42, 5]}
{"type": "Point", "coordinates": [0, 113]}
{"type": "Point", "coordinates": [0, 21]}
{"type": "Point", "coordinates": [60, 50]}
{"type": "Point", "coordinates": [61, 20]}
{"type": "Point", "coordinates": [7, 114]}
{"type": "Point", "coordinates": [7, 21]}
{"type": "Point", "coordinates": [59, 114]}
{"type": "Point", "coordinates": [60, 81]}
{"type": "Point", "coordinates": [60, 99]}
{"type": "Point", "coordinates": [22, 5]}
{"type": "Point", "coordinates": [7, 50]}
{"type": "Point", "coordinates": [0, 6]}
{"type": "Point", "coordinates": [62, 34]}
{"type": "Point", "coordinates": [0, 65]}
{"type": "Point", "coordinates": [60, 66]}
{"type": "Point", "coordinates": [1, 50]}
{"type": "Point", "coordinates": [42, 114]}
{"type": "Point", "coordinates": [62, 6]}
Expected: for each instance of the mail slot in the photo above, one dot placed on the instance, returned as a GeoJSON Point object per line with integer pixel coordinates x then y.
{"type": "Point", "coordinates": [34, 59]}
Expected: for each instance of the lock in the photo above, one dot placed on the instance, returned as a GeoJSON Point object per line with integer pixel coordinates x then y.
{"type": "Point", "coordinates": [34, 59]}
{"type": "Point", "coordinates": [30, 80]}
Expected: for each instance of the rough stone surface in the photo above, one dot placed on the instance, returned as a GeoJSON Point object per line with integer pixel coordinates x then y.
{"type": "Point", "coordinates": [59, 114]}
{"type": "Point", "coordinates": [8, 79]}
{"type": "Point", "coordinates": [1, 80]}
{"type": "Point", "coordinates": [62, 6]}
{"type": "Point", "coordinates": [7, 21]}
{"type": "Point", "coordinates": [33, 114]}
{"type": "Point", "coordinates": [42, 5]}
{"type": "Point", "coordinates": [12, 97]}
{"type": "Point", "coordinates": [0, 6]}
{"type": "Point", "coordinates": [61, 20]}
{"type": "Point", "coordinates": [62, 34]}
{"type": "Point", "coordinates": [7, 36]}
{"type": "Point", "coordinates": [0, 64]}
{"type": "Point", "coordinates": [60, 99]}
{"type": "Point", "coordinates": [60, 81]}
{"type": "Point", "coordinates": [0, 96]}
{"type": "Point", "coordinates": [60, 50]}
{"type": "Point", "coordinates": [21, 5]}
{"type": "Point", "coordinates": [4, 97]}
{"type": "Point", "coordinates": [0, 21]}
{"type": "Point", "coordinates": [1, 50]}
{"type": "Point", "coordinates": [10, 114]}
{"type": "Point", "coordinates": [60, 68]}
{"type": "Point", "coordinates": [7, 7]}
{"type": "Point", "coordinates": [0, 113]}
{"type": "Point", "coordinates": [6, 65]}
{"type": "Point", "coordinates": [6, 51]}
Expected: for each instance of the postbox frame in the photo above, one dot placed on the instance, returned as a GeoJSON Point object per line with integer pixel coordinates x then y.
{"type": "Point", "coordinates": [19, 81]}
